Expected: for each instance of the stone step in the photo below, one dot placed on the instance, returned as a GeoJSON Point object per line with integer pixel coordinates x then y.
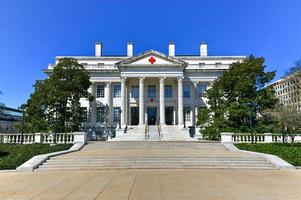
{"type": "Point", "coordinates": [268, 167]}
{"type": "Point", "coordinates": [155, 158]}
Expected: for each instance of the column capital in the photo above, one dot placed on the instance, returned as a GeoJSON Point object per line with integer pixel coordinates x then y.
{"type": "Point", "coordinates": [123, 79]}
{"type": "Point", "coordinates": [162, 78]}
{"type": "Point", "coordinates": [195, 83]}
{"type": "Point", "coordinates": [108, 83]}
{"type": "Point", "coordinates": [180, 78]}
{"type": "Point", "coordinates": [141, 79]}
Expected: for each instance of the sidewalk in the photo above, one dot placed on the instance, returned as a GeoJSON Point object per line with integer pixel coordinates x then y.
{"type": "Point", "coordinates": [152, 184]}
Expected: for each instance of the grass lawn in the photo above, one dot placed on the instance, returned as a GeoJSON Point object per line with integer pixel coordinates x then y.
{"type": "Point", "coordinates": [287, 152]}
{"type": "Point", "coordinates": [13, 155]}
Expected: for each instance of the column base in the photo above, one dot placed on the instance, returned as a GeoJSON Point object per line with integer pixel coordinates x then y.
{"type": "Point", "coordinates": [123, 126]}
{"type": "Point", "coordinates": [181, 126]}
{"type": "Point", "coordinates": [141, 125]}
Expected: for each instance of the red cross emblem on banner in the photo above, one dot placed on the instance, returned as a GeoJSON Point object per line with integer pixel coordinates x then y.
{"type": "Point", "coordinates": [152, 60]}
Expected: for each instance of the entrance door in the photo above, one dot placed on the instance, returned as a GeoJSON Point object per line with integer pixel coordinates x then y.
{"type": "Point", "coordinates": [134, 115]}
{"type": "Point", "coordinates": [152, 115]}
{"type": "Point", "coordinates": [169, 115]}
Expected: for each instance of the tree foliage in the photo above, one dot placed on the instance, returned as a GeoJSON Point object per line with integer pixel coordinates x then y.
{"type": "Point", "coordinates": [237, 98]}
{"type": "Point", "coordinates": [286, 117]}
{"type": "Point", "coordinates": [55, 101]}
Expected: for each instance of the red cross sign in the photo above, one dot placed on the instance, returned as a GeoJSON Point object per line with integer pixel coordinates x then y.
{"type": "Point", "coordinates": [152, 60]}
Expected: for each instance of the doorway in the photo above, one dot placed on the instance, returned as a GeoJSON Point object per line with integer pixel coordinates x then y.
{"type": "Point", "coordinates": [134, 115]}
{"type": "Point", "coordinates": [169, 115]}
{"type": "Point", "coordinates": [151, 115]}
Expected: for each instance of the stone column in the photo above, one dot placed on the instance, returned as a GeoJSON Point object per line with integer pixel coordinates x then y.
{"type": "Point", "coordinates": [108, 97]}
{"type": "Point", "coordinates": [123, 108]}
{"type": "Point", "coordinates": [92, 112]}
{"type": "Point", "coordinates": [141, 101]}
{"type": "Point", "coordinates": [193, 102]}
{"type": "Point", "coordinates": [180, 102]}
{"type": "Point", "coordinates": [162, 101]}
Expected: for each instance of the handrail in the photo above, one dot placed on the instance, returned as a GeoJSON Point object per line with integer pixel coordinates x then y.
{"type": "Point", "coordinates": [159, 131]}
{"type": "Point", "coordinates": [146, 132]}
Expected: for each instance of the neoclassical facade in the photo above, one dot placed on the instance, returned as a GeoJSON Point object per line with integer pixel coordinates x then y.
{"type": "Point", "coordinates": [150, 87]}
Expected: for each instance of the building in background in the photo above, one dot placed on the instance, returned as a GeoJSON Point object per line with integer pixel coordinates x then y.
{"type": "Point", "coordinates": [287, 92]}
{"type": "Point", "coordinates": [149, 88]}
{"type": "Point", "coordinates": [9, 119]}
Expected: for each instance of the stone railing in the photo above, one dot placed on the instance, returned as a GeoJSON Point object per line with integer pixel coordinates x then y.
{"type": "Point", "coordinates": [45, 138]}
{"type": "Point", "coordinates": [256, 138]}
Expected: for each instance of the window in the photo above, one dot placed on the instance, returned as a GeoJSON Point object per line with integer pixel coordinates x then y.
{"type": "Point", "coordinates": [100, 114]}
{"type": "Point", "coordinates": [151, 91]}
{"type": "Point", "coordinates": [186, 90]}
{"type": "Point", "coordinates": [100, 91]}
{"type": "Point", "coordinates": [117, 91]}
{"type": "Point", "coordinates": [168, 91]}
{"type": "Point", "coordinates": [135, 91]}
{"type": "Point", "coordinates": [116, 113]}
{"type": "Point", "coordinates": [202, 89]}
{"type": "Point", "coordinates": [84, 114]}
{"type": "Point", "coordinates": [187, 113]}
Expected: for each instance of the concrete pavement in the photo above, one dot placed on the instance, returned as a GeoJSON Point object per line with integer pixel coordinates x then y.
{"type": "Point", "coordinates": [152, 184]}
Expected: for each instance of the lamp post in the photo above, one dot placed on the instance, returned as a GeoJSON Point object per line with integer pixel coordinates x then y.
{"type": "Point", "coordinates": [56, 105]}
{"type": "Point", "coordinates": [283, 134]}
{"type": "Point", "coordinates": [23, 106]}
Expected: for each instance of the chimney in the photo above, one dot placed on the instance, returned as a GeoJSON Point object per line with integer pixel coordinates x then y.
{"type": "Point", "coordinates": [130, 49]}
{"type": "Point", "coordinates": [171, 49]}
{"type": "Point", "coordinates": [98, 49]}
{"type": "Point", "coordinates": [203, 49]}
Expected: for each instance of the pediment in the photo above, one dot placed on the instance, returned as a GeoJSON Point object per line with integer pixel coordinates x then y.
{"type": "Point", "coordinates": [151, 58]}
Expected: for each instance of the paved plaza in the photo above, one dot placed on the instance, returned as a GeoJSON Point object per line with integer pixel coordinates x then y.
{"type": "Point", "coordinates": [142, 184]}
{"type": "Point", "coordinates": [150, 178]}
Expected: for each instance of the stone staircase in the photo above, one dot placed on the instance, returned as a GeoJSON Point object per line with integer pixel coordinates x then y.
{"type": "Point", "coordinates": [173, 133]}
{"type": "Point", "coordinates": [155, 155]}
{"type": "Point", "coordinates": [133, 133]}
{"type": "Point", "coordinates": [98, 163]}
{"type": "Point", "coordinates": [168, 133]}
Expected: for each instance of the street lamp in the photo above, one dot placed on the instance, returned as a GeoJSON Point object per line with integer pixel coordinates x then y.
{"type": "Point", "coordinates": [283, 134]}
{"type": "Point", "coordinates": [22, 107]}
{"type": "Point", "coordinates": [56, 105]}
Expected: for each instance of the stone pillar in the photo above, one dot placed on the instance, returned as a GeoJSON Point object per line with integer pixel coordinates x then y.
{"type": "Point", "coordinates": [141, 101]}
{"type": "Point", "coordinates": [108, 97]}
{"type": "Point", "coordinates": [180, 102]}
{"type": "Point", "coordinates": [92, 111]}
{"type": "Point", "coordinates": [268, 138]}
{"type": "Point", "coordinates": [38, 138]}
{"type": "Point", "coordinates": [162, 101]}
{"type": "Point", "coordinates": [226, 137]}
{"type": "Point", "coordinates": [123, 107]}
{"type": "Point", "coordinates": [193, 102]}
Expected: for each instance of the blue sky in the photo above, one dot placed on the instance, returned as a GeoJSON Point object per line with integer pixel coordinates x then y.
{"type": "Point", "coordinates": [33, 32]}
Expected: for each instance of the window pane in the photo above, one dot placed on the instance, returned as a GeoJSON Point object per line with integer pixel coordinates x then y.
{"type": "Point", "coordinates": [117, 91]}
{"type": "Point", "coordinates": [135, 91]}
{"type": "Point", "coordinates": [100, 93]}
{"type": "Point", "coordinates": [151, 91]}
{"type": "Point", "coordinates": [202, 89]}
{"type": "Point", "coordinates": [186, 90]}
{"type": "Point", "coordinates": [100, 114]}
{"type": "Point", "coordinates": [168, 91]}
{"type": "Point", "coordinates": [187, 114]}
{"type": "Point", "coordinates": [117, 112]}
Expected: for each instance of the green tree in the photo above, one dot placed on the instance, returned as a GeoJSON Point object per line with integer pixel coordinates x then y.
{"type": "Point", "coordinates": [287, 117]}
{"type": "Point", "coordinates": [237, 98]}
{"type": "Point", "coordinates": [55, 101]}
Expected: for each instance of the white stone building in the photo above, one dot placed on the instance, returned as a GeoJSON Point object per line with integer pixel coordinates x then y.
{"type": "Point", "coordinates": [149, 87]}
